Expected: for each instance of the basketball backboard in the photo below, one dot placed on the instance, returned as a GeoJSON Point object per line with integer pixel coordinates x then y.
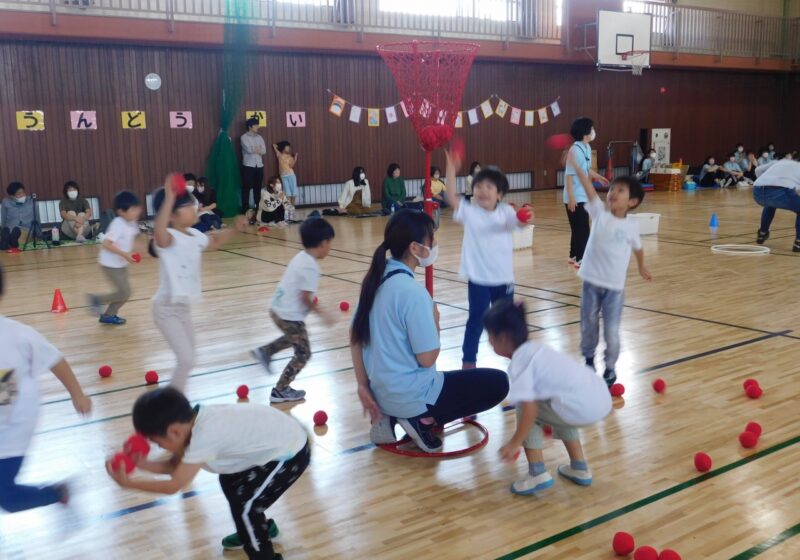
{"type": "Point", "coordinates": [623, 40]}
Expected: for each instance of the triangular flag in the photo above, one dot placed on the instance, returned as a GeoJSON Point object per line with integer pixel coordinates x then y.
{"type": "Point", "coordinates": [473, 116]}
{"type": "Point", "coordinates": [337, 106]}
{"type": "Point", "coordinates": [404, 108]}
{"type": "Point", "coordinates": [555, 108]}
{"type": "Point", "coordinates": [391, 115]}
{"type": "Point", "coordinates": [543, 115]}
{"type": "Point", "coordinates": [529, 118]}
{"type": "Point", "coordinates": [355, 114]}
{"type": "Point", "coordinates": [516, 114]}
{"type": "Point", "coordinates": [460, 120]}
{"type": "Point", "coordinates": [486, 108]}
{"type": "Point", "coordinates": [502, 109]}
{"type": "Point", "coordinates": [373, 117]}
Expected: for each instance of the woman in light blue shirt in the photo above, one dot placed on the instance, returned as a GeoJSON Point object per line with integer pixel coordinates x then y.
{"type": "Point", "coordinates": [574, 196]}
{"type": "Point", "coordinates": [395, 344]}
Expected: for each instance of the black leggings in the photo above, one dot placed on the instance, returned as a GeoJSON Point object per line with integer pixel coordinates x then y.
{"type": "Point", "coordinates": [710, 179]}
{"type": "Point", "coordinates": [467, 392]}
{"type": "Point", "coordinates": [251, 492]}
{"type": "Point", "coordinates": [9, 238]}
{"type": "Point", "coordinates": [579, 224]}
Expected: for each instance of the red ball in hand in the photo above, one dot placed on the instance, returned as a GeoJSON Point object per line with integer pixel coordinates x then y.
{"type": "Point", "coordinates": [669, 554]}
{"type": "Point", "coordinates": [104, 371]}
{"type": "Point", "coordinates": [548, 430]}
{"type": "Point", "coordinates": [320, 418]}
{"type": "Point", "coordinates": [702, 462]}
{"type": "Point", "coordinates": [659, 385]}
{"type": "Point", "coordinates": [316, 300]}
{"type": "Point", "coordinates": [121, 459]}
{"type": "Point", "coordinates": [177, 183]}
{"type": "Point", "coordinates": [623, 543]}
{"type": "Point", "coordinates": [242, 391]}
{"type": "Point", "coordinates": [137, 444]}
{"type": "Point", "coordinates": [748, 440]}
{"type": "Point", "coordinates": [645, 553]}
{"type": "Point", "coordinates": [754, 391]}
{"type": "Point", "coordinates": [151, 377]}
{"type": "Point", "coordinates": [524, 215]}
{"type": "Point", "coordinates": [344, 306]}
{"type": "Point", "coordinates": [617, 390]}
{"type": "Point", "coordinates": [137, 258]}
{"type": "Point", "coordinates": [753, 427]}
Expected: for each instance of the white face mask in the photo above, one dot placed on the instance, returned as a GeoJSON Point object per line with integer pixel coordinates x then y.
{"type": "Point", "coordinates": [765, 155]}
{"type": "Point", "coordinates": [278, 187]}
{"type": "Point", "coordinates": [362, 176]}
{"type": "Point", "coordinates": [711, 162]}
{"type": "Point", "coordinates": [190, 188]}
{"type": "Point", "coordinates": [72, 195]}
{"type": "Point", "coordinates": [741, 148]}
{"type": "Point", "coordinates": [592, 135]}
{"type": "Point", "coordinates": [433, 253]}
{"type": "Point", "coordinates": [200, 189]}
{"type": "Point", "coordinates": [21, 199]}
{"type": "Point", "coordinates": [652, 155]}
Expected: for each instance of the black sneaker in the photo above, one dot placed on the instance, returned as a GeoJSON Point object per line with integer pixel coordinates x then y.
{"type": "Point", "coordinates": [796, 246]}
{"type": "Point", "coordinates": [233, 542]}
{"type": "Point", "coordinates": [590, 362]}
{"type": "Point", "coordinates": [762, 236]}
{"type": "Point", "coordinates": [610, 377]}
{"type": "Point", "coordinates": [421, 434]}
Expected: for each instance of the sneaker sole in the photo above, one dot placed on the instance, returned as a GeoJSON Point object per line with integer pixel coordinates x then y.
{"type": "Point", "coordinates": [575, 480]}
{"type": "Point", "coordinates": [285, 399]}
{"type": "Point", "coordinates": [257, 355]}
{"type": "Point", "coordinates": [538, 488]}
{"type": "Point", "coordinates": [414, 435]}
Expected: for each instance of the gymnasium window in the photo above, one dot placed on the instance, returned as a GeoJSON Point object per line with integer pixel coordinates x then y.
{"type": "Point", "coordinates": [481, 9]}
{"type": "Point", "coordinates": [657, 8]}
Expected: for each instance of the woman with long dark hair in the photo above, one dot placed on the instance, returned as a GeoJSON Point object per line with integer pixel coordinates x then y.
{"type": "Point", "coordinates": [395, 344]}
{"type": "Point", "coordinates": [356, 197]}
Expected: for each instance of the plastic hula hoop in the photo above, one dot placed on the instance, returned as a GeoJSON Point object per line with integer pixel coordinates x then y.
{"type": "Point", "coordinates": [397, 450]}
{"type": "Point", "coordinates": [740, 250]}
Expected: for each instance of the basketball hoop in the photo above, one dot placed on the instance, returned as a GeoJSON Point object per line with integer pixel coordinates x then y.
{"type": "Point", "coordinates": [430, 76]}
{"type": "Point", "coordinates": [636, 59]}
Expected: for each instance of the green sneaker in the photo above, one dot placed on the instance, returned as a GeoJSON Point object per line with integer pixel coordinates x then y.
{"type": "Point", "coordinates": [233, 542]}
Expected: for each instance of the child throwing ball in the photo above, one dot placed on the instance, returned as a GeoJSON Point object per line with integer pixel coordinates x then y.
{"type": "Point", "coordinates": [549, 388]}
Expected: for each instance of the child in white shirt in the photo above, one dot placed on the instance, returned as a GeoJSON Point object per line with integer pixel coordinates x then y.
{"type": "Point", "coordinates": [115, 254]}
{"type": "Point", "coordinates": [294, 299]}
{"type": "Point", "coordinates": [604, 269]}
{"type": "Point", "coordinates": [548, 388]}
{"type": "Point", "coordinates": [488, 247]}
{"type": "Point", "coordinates": [258, 452]}
{"type": "Point", "coordinates": [24, 356]}
{"type": "Point", "coordinates": [179, 248]}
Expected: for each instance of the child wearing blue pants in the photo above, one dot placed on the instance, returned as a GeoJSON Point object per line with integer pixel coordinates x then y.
{"type": "Point", "coordinates": [487, 251]}
{"type": "Point", "coordinates": [24, 355]}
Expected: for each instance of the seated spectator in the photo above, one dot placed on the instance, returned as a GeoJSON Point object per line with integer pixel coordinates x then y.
{"type": "Point", "coordinates": [647, 165]}
{"type": "Point", "coordinates": [209, 217]}
{"type": "Point", "coordinates": [16, 216]}
{"type": "Point", "coordinates": [272, 206]}
{"type": "Point", "coordinates": [711, 174]}
{"type": "Point", "coordinates": [356, 197]}
{"type": "Point", "coordinates": [765, 156]}
{"type": "Point", "coordinates": [733, 169]}
{"type": "Point", "coordinates": [76, 214]}
{"type": "Point", "coordinates": [394, 189]}
{"type": "Point", "coordinates": [438, 187]}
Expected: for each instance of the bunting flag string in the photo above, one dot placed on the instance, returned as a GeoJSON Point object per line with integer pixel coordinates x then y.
{"type": "Point", "coordinates": [516, 116]}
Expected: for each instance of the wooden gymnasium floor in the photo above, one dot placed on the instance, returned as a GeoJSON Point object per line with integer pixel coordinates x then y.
{"type": "Point", "coordinates": [704, 324]}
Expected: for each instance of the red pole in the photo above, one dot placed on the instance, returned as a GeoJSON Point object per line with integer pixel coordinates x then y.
{"type": "Point", "coordinates": [429, 211]}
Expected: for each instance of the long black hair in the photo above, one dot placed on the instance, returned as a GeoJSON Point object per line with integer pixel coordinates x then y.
{"type": "Point", "coordinates": [357, 180]}
{"type": "Point", "coordinates": [404, 228]}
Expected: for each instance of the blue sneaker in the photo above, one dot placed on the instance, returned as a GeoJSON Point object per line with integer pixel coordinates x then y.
{"type": "Point", "coordinates": [112, 320]}
{"type": "Point", "coordinates": [579, 477]}
{"type": "Point", "coordinates": [532, 484]}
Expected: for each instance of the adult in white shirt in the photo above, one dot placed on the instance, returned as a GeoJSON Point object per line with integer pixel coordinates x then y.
{"type": "Point", "coordinates": [356, 196]}
{"type": "Point", "coordinates": [776, 187]}
{"type": "Point", "coordinates": [253, 150]}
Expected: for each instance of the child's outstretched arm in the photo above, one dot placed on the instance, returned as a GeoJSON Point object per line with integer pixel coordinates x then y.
{"type": "Point", "coordinates": [220, 238]}
{"type": "Point", "coordinates": [529, 412]}
{"type": "Point", "coordinates": [639, 253]}
{"type": "Point", "coordinates": [183, 474]}
{"type": "Point", "coordinates": [450, 195]}
{"type": "Point", "coordinates": [160, 234]}
{"type": "Point", "coordinates": [308, 300]}
{"type": "Point", "coordinates": [64, 373]}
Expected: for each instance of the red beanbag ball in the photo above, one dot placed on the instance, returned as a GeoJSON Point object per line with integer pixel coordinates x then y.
{"type": "Point", "coordinates": [242, 391]}
{"type": "Point", "coordinates": [617, 390]}
{"type": "Point", "coordinates": [177, 183]}
{"type": "Point", "coordinates": [702, 462]}
{"type": "Point", "coordinates": [659, 385]}
{"type": "Point", "coordinates": [137, 444]}
{"type": "Point", "coordinates": [151, 377]}
{"type": "Point", "coordinates": [754, 391]}
{"type": "Point", "coordinates": [136, 257]}
{"type": "Point", "coordinates": [668, 554]}
{"type": "Point", "coordinates": [645, 553]}
{"type": "Point", "coordinates": [122, 459]}
{"type": "Point", "coordinates": [753, 427]}
{"type": "Point", "coordinates": [623, 543]}
{"type": "Point", "coordinates": [748, 382]}
{"type": "Point", "coordinates": [559, 141]}
{"type": "Point", "coordinates": [748, 440]}
{"type": "Point", "coordinates": [524, 215]}
{"type": "Point", "coordinates": [104, 371]}
{"type": "Point", "coordinates": [320, 418]}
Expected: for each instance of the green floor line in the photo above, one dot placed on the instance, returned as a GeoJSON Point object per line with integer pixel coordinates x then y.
{"type": "Point", "coordinates": [769, 543]}
{"type": "Point", "coordinates": [558, 537]}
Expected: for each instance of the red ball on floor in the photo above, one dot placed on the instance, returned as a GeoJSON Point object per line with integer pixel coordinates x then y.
{"type": "Point", "coordinates": [645, 553]}
{"type": "Point", "coordinates": [623, 543]}
{"type": "Point", "coordinates": [263, 229]}
{"type": "Point", "coordinates": [121, 459]}
{"type": "Point", "coordinates": [748, 440]}
{"type": "Point", "coordinates": [151, 377]}
{"type": "Point", "coordinates": [669, 554]}
{"type": "Point", "coordinates": [344, 306]}
{"type": "Point", "coordinates": [617, 390]}
{"type": "Point", "coordinates": [242, 391]}
{"type": "Point", "coordinates": [104, 371]}
{"type": "Point", "coordinates": [320, 418]}
{"type": "Point", "coordinates": [137, 258]}
{"type": "Point", "coordinates": [702, 462]}
{"type": "Point", "coordinates": [748, 382]}
{"type": "Point", "coordinates": [753, 427]}
{"type": "Point", "coordinates": [754, 391]}
{"type": "Point", "coordinates": [659, 385]}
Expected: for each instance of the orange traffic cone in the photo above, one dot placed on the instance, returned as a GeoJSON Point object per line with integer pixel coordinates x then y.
{"type": "Point", "coordinates": [58, 303]}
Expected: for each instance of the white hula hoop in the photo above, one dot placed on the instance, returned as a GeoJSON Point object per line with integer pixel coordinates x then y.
{"type": "Point", "coordinates": [740, 250]}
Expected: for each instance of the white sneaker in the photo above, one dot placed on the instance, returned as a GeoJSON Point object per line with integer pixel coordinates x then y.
{"type": "Point", "coordinates": [532, 484]}
{"type": "Point", "coordinates": [382, 431]}
{"type": "Point", "coordinates": [581, 478]}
